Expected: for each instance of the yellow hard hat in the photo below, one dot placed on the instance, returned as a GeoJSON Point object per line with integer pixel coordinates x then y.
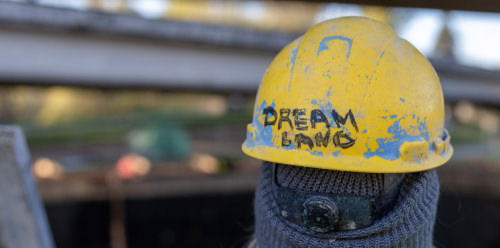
{"type": "Point", "coordinates": [350, 95]}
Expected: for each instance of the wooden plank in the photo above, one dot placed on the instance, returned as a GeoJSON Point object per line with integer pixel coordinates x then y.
{"type": "Point", "coordinates": [23, 222]}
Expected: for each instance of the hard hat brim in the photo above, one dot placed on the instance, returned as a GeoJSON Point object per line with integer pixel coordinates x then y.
{"type": "Point", "coordinates": [373, 164]}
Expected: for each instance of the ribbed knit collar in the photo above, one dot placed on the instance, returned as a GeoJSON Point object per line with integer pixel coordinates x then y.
{"type": "Point", "coordinates": [409, 224]}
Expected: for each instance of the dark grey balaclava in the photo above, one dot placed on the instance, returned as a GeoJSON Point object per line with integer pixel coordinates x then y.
{"type": "Point", "coordinates": [409, 223]}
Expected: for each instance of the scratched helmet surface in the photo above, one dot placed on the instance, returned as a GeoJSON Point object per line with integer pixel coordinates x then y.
{"type": "Point", "coordinates": [350, 95]}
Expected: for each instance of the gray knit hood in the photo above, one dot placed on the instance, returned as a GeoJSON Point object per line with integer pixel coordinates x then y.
{"type": "Point", "coordinates": [409, 223]}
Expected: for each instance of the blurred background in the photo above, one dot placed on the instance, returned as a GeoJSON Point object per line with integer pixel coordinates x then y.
{"type": "Point", "coordinates": [135, 110]}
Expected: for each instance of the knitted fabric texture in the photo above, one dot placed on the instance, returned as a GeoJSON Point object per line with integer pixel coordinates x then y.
{"type": "Point", "coordinates": [329, 181]}
{"type": "Point", "coordinates": [409, 224]}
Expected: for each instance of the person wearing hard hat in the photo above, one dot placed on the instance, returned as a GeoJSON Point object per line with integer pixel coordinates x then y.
{"type": "Point", "coordinates": [348, 120]}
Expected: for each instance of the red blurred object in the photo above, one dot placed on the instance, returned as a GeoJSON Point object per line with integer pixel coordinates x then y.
{"type": "Point", "coordinates": [132, 165]}
{"type": "Point", "coordinates": [125, 166]}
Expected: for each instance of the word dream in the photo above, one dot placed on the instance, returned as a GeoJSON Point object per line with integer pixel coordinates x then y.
{"type": "Point", "coordinates": [297, 119]}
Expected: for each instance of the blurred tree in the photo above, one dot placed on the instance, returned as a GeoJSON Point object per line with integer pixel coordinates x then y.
{"type": "Point", "coordinates": [445, 42]}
